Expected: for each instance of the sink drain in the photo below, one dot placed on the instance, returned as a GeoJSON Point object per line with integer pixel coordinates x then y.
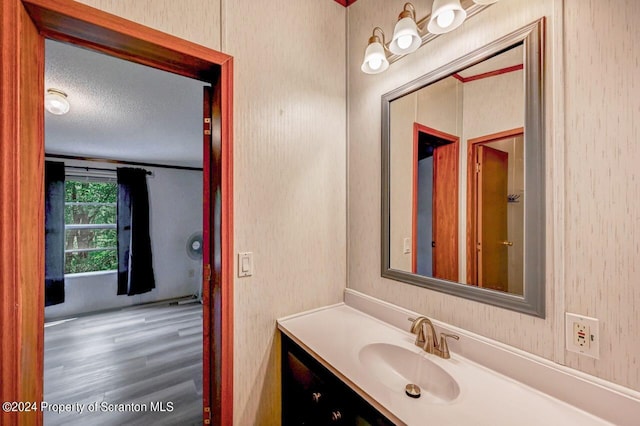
{"type": "Point", "coordinates": [412, 390]}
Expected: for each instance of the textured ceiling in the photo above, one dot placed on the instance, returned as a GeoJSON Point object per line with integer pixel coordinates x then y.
{"type": "Point", "coordinates": [121, 110]}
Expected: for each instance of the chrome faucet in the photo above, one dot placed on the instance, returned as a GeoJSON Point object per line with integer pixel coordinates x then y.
{"type": "Point", "coordinates": [426, 337]}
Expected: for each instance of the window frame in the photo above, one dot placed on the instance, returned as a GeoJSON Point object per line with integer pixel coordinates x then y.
{"type": "Point", "coordinates": [90, 176]}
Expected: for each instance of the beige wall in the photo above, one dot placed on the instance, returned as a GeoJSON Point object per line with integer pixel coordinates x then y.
{"type": "Point", "coordinates": [290, 165]}
{"type": "Point", "coordinates": [402, 115]}
{"type": "Point", "coordinates": [593, 224]}
{"type": "Point", "coordinates": [290, 173]}
{"type": "Point", "coordinates": [493, 104]}
{"type": "Point", "coordinates": [602, 233]}
{"type": "Point", "coordinates": [194, 20]}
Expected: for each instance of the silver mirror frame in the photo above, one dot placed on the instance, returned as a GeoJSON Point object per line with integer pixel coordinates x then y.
{"type": "Point", "coordinates": [532, 302]}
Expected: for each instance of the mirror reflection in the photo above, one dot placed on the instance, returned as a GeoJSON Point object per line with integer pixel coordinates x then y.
{"type": "Point", "coordinates": [457, 176]}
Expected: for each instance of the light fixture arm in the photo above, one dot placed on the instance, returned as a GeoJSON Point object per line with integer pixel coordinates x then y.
{"type": "Point", "coordinates": [409, 11]}
{"type": "Point", "coordinates": [375, 38]}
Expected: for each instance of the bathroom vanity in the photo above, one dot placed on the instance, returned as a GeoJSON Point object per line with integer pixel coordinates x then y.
{"type": "Point", "coordinates": [341, 365]}
{"type": "Point", "coordinates": [313, 395]}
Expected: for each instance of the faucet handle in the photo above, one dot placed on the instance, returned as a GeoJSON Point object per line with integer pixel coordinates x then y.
{"type": "Point", "coordinates": [444, 347]}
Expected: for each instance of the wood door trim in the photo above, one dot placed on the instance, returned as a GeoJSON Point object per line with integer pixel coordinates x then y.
{"type": "Point", "coordinates": [21, 190]}
{"type": "Point", "coordinates": [488, 74]}
{"type": "Point", "coordinates": [86, 26]}
{"type": "Point", "coordinates": [417, 129]}
{"type": "Point", "coordinates": [472, 240]}
{"type": "Point", "coordinates": [22, 176]}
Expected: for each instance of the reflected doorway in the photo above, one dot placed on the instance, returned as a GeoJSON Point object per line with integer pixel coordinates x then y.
{"type": "Point", "coordinates": [496, 211]}
{"type": "Point", "coordinates": [435, 203]}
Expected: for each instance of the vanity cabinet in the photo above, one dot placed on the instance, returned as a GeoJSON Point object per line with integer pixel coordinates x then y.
{"type": "Point", "coordinates": [313, 396]}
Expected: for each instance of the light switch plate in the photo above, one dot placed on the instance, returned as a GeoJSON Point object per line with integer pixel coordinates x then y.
{"type": "Point", "coordinates": [245, 264]}
{"type": "Point", "coordinates": [582, 335]}
{"type": "Point", "coordinates": [406, 245]}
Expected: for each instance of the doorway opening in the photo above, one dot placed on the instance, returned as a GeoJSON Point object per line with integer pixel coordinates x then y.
{"type": "Point", "coordinates": [143, 347]}
{"type": "Point", "coordinates": [25, 24]}
{"type": "Point", "coordinates": [435, 203]}
{"type": "Point", "coordinates": [495, 199]}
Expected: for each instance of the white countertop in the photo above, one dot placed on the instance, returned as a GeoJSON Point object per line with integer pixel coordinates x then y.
{"type": "Point", "coordinates": [336, 334]}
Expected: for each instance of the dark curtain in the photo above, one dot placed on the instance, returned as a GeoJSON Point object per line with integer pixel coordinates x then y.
{"type": "Point", "coordinates": [54, 233]}
{"type": "Point", "coordinates": [135, 263]}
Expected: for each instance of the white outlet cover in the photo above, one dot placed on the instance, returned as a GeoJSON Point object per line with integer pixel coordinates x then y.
{"type": "Point", "coordinates": [592, 348]}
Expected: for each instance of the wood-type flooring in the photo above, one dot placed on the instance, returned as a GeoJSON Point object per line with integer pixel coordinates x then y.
{"type": "Point", "coordinates": [136, 366]}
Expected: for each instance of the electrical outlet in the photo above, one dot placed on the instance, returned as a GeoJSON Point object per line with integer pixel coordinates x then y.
{"type": "Point", "coordinates": [582, 335]}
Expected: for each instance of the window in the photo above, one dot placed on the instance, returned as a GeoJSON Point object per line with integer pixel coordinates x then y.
{"type": "Point", "coordinates": [90, 225]}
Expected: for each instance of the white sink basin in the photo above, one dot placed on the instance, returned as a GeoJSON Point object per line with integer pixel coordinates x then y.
{"type": "Point", "coordinates": [395, 367]}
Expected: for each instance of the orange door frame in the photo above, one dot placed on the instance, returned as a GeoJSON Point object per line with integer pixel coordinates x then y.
{"type": "Point", "coordinates": [417, 130]}
{"type": "Point", "coordinates": [24, 24]}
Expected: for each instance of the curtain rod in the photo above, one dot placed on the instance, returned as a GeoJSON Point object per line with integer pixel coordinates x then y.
{"type": "Point", "coordinates": [131, 163]}
{"type": "Point", "coordinates": [98, 168]}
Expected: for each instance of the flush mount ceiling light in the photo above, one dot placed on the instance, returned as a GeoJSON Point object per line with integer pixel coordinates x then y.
{"type": "Point", "coordinates": [406, 37]}
{"type": "Point", "coordinates": [375, 57]}
{"type": "Point", "coordinates": [446, 15]}
{"type": "Point", "coordinates": [409, 33]}
{"type": "Point", "coordinates": [55, 101]}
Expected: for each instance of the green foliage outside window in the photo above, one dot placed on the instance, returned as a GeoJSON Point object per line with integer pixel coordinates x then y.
{"type": "Point", "coordinates": [89, 248]}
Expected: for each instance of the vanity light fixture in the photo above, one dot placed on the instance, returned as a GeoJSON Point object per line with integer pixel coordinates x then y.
{"type": "Point", "coordinates": [406, 37]}
{"type": "Point", "coordinates": [446, 15]}
{"type": "Point", "coordinates": [375, 57]}
{"type": "Point", "coordinates": [410, 33]}
{"type": "Point", "coordinates": [55, 101]}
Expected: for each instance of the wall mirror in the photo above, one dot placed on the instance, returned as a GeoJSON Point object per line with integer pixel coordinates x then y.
{"type": "Point", "coordinates": [463, 176]}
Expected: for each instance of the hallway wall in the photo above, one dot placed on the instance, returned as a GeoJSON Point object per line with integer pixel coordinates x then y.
{"type": "Point", "coordinates": [289, 161]}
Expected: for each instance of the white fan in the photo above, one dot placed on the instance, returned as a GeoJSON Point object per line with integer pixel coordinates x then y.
{"type": "Point", "coordinates": [194, 246]}
{"type": "Point", "coordinates": [194, 251]}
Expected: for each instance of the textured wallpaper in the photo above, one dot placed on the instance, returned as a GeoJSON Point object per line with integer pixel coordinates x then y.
{"type": "Point", "coordinates": [289, 163]}
{"type": "Point", "coordinates": [195, 20]}
{"type": "Point", "coordinates": [592, 130]}
{"type": "Point", "coordinates": [290, 174]}
{"type": "Point", "coordinates": [602, 180]}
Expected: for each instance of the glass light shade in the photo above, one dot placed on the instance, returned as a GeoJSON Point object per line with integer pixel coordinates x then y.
{"type": "Point", "coordinates": [375, 60]}
{"type": "Point", "coordinates": [446, 18]}
{"type": "Point", "coordinates": [56, 102]}
{"type": "Point", "coordinates": [441, 15]}
{"type": "Point", "coordinates": [405, 37]}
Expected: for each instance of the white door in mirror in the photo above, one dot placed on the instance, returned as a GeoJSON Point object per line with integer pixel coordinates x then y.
{"type": "Point", "coordinates": [245, 264]}
{"type": "Point", "coordinates": [582, 335]}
